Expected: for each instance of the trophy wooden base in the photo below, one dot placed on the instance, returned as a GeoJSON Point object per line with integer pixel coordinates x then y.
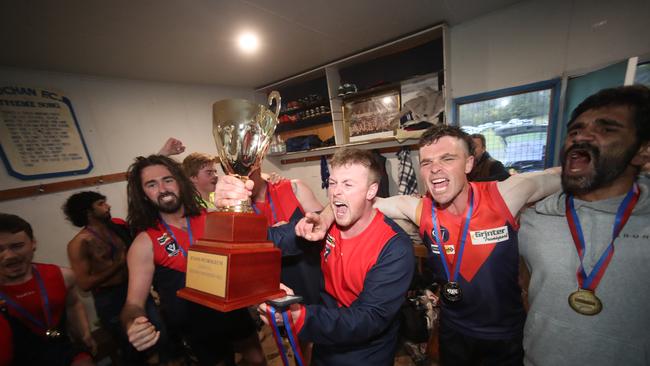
{"type": "Point", "coordinates": [216, 303]}
{"type": "Point", "coordinates": [232, 267]}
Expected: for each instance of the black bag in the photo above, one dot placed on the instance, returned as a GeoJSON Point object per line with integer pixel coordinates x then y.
{"type": "Point", "coordinates": [301, 143]}
{"type": "Point", "coordinates": [414, 321]}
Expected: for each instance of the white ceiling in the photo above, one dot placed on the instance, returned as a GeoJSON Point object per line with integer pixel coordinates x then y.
{"type": "Point", "coordinates": [192, 41]}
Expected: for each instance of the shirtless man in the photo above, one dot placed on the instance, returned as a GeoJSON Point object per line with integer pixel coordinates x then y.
{"type": "Point", "coordinates": [97, 256]}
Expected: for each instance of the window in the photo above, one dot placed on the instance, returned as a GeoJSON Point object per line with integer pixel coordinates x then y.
{"type": "Point", "coordinates": [643, 74]}
{"type": "Point", "coordinates": [516, 123]}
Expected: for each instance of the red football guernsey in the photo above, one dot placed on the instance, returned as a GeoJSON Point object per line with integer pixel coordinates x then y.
{"type": "Point", "coordinates": [166, 250]}
{"type": "Point", "coordinates": [28, 295]}
{"type": "Point", "coordinates": [491, 307]}
{"type": "Point", "coordinates": [346, 262]}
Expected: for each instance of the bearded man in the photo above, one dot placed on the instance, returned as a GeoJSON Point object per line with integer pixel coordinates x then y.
{"type": "Point", "coordinates": [164, 209]}
{"type": "Point", "coordinates": [587, 247]}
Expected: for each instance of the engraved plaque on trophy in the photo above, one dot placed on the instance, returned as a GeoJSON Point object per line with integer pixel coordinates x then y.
{"type": "Point", "coordinates": [233, 265]}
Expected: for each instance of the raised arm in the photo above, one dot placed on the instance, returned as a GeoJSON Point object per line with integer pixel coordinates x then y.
{"type": "Point", "coordinates": [80, 263]}
{"type": "Point", "coordinates": [284, 237]}
{"type": "Point", "coordinates": [142, 334]}
{"type": "Point", "coordinates": [305, 196]}
{"type": "Point", "coordinates": [520, 189]}
{"type": "Point", "coordinates": [314, 226]}
{"type": "Point", "coordinates": [172, 147]}
{"type": "Point", "coordinates": [400, 207]}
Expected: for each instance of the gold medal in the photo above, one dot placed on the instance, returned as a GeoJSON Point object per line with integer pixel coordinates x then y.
{"type": "Point", "coordinates": [52, 334]}
{"type": "Point", "coordinates": [585, 302]}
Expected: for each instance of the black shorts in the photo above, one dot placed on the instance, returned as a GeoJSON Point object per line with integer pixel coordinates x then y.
{"type": "Point", "coordinates": [457, 349]}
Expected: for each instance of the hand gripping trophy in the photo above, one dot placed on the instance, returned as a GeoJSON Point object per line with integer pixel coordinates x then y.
{"type": "Point", "coordinates": [233, 265]}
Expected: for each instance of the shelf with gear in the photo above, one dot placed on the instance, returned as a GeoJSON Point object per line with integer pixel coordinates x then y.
{"type": "Point", "coordinates": [305, 120]}
{"type": "Point", "coordinates": [379, 95]}
{"type": "Point", "coordinates": [306, 112]}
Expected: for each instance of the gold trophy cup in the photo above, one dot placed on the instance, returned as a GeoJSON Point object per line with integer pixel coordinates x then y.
{"type": "Point", "coordinates": [233, 265]}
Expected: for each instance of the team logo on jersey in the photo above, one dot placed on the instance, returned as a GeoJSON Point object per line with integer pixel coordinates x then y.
{"type": "Point", "coordinates": [329, 245]}
{"type": "Point", "coordinates": [170, 245]}
{"type": "Point", "coordinates": [489, 236]}
{"type": "Point", "coordinates": [444, 233]}
{"type": "Point", "coordinates": [172, 249]}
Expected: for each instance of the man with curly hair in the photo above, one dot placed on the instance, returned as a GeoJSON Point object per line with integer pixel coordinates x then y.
{"type": "Point", "coordinates": [97, 255]}
{"type": "Point", "coordinates": [164, 208]}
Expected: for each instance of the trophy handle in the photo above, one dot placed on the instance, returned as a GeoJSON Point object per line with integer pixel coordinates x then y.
{"type": "Point", "coordinates": [275, 96]}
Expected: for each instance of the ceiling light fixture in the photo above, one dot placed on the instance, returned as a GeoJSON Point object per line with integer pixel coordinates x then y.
{"type": "Point", "coordinates": [248, 42]}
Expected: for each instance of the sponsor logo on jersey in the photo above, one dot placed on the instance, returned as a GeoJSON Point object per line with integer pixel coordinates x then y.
{"type": "Point", "coordinates": [27, 293]}
{"type": "Point", "coordinates": [329, 245]}
{"type": "Point", "coordinates": [450, 249]}
{"type": "Point", "coordinates": [163, 239]}
{"type": "Point", "coordinates": [489, 236]}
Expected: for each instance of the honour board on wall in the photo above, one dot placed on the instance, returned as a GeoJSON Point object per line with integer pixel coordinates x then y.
{"type": "Point", "coordinates": [39, 134]}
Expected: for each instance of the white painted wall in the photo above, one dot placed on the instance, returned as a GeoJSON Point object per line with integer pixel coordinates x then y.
{"type": "Point", "coordinates": [119, 119]}
{"type": "Point", "coordinates": [539, 40]}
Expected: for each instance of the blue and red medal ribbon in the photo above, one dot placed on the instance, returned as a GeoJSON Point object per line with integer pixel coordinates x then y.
{"type": "Point", "coordinates": [291, 335]}
{"type": "Point", "coordinates": [453, 276]}
{"type": "Point", "coordinates": [270, 201]}
{"type": "Point", "coordinates": [590, 281]}
{"type": "Point", "coordinates": [171, 233]}
{"type": "Point", "coordinates": [45, 301]}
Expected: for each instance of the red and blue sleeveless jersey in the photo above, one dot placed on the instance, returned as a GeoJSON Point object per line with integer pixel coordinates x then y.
{"type": "Point", "coordinates": [280, 204]}
{"type": "Point", "coordinates": [171, 265]}
{"type": "Point", "coordinates": [491, 307]}
{"type": "Point", "coordinates": [166, 251]}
